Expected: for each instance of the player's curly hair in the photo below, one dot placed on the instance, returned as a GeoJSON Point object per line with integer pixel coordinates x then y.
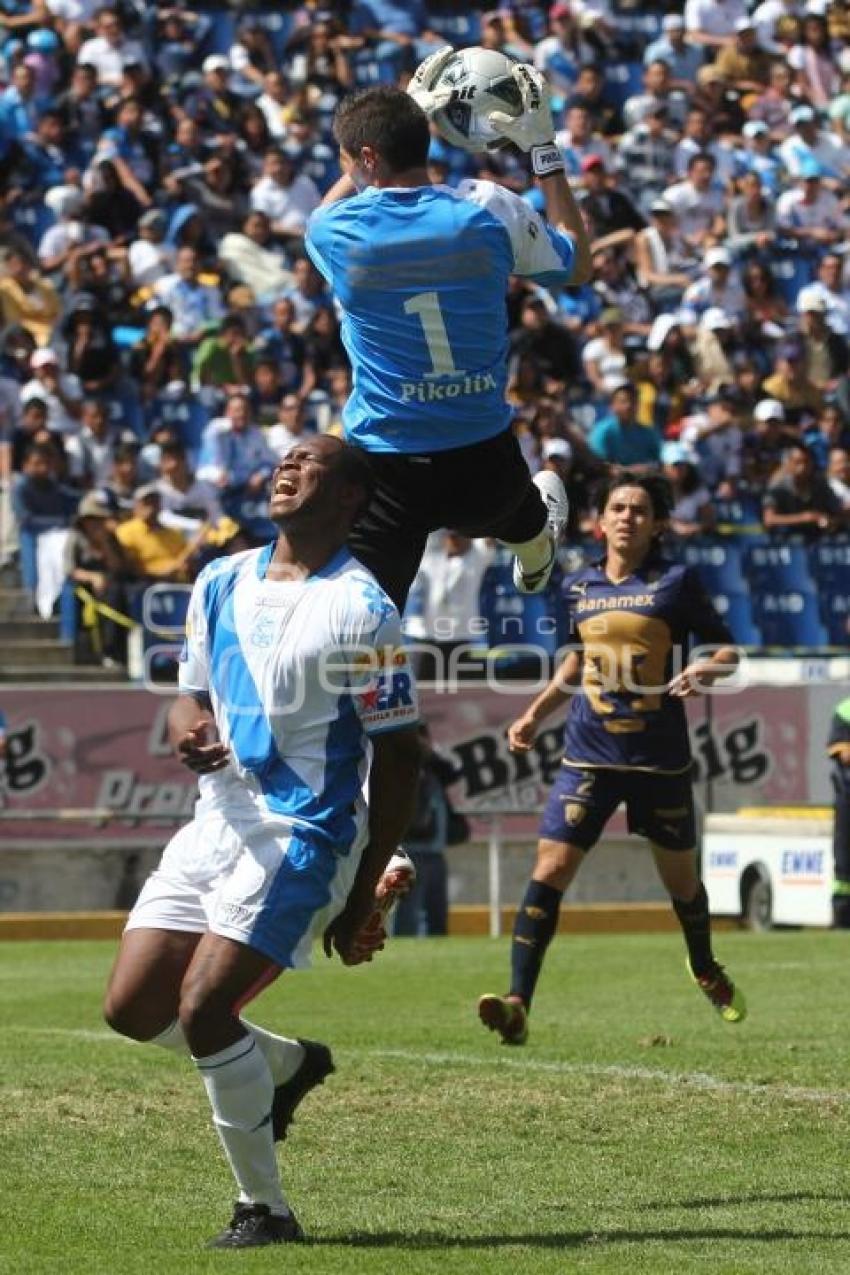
{"type": "Point", "coordinates": [656, 487]}
{"type": "Point", "coordinates": [387, 119]}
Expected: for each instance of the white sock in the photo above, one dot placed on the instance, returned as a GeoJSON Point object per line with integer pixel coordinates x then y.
{"type": "Point", "coordinates": [534, 554]}
{"type": "Point", "coordinates": [240, 1088]}
{"type": "Point", "coordinates": [283, 1056]}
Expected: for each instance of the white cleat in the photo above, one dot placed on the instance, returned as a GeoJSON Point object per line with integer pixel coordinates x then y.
{"type": "Point", "coordinates": [554, 497]}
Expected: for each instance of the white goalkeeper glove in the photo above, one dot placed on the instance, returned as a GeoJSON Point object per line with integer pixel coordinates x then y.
{"type": "Point", "coordinates": [533, 130]}
{"type": "Point", "coordinates": [423, 83]}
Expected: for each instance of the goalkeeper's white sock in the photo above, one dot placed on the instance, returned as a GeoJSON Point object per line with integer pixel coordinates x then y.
{"type": "Point", "coordinates": [283, 1056]}
{"type": "Point", "coordinates": [534, 555]}
{"type": "Point", "coordinates": [240, 1088]}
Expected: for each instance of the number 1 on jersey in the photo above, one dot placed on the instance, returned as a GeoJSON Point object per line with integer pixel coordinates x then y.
{"type": "Point", "coordinates": [426, 305]}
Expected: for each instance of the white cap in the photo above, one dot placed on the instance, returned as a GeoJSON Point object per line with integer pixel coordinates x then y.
{"type": "Point", "coordinates": [675, 453]}
{"type": "Point", "coordinates": [769, 409]}
{"type": "Point", "coordinates": [717, 257]}
{"type": "Point", "coordinates": [802, 115]}
{"type": "Point", "coordinates": [215, 62]}
{"type": "Point", "coordinates": [673, 22]}
{"type": "Point", "coordinates": [744, 24]}
{"type": "Point", "coordinates": [755, 128]}
{"type": "Point", "coordinates": [661, 328]}
{"type": "Point", "coordinates": [811, 304]}
{"type": "Point", "coordinates": [43, 358]}
{"type": "Point", "coordinates": [556, 447]}
{"type": "Point", "coordinates": [716, 319]}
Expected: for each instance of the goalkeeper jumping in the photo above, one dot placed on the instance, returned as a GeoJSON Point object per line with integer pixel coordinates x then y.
{"type": "Point", "coordinates": [421, 275]}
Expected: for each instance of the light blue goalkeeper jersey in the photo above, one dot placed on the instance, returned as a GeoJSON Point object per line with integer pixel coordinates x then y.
{"type": "Point", "coordinates": [421, 276]}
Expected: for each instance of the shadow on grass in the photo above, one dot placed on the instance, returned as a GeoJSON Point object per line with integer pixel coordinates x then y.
{"type": "Point", "coordinates": [568, 1239]}
{"type": "Point", "coordinates": [753, 1197]}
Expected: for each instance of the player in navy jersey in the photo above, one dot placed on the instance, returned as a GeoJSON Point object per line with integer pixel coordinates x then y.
{"type": "Point", "coordinates": [626, 738]}
{"type": "Point", "coordinates": [420, 273]}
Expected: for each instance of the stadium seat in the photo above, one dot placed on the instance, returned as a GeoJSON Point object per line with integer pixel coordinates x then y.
{"type": "Point", "coordinates": [718, 564]}
{"type": "Point", "coordinates": [516, 621]}
{"type": "Point", "coordinates": [369, 70]}
{"type": "Point", "coordinates": [221, 35]}
{"type": "Point", "coordinates": [188, 416]}
{"type": "Point", "coordinates": [736, 609]}
{"type": "Point", "coordinates": [829, 561]}
{"type": "Point", "coordinates": [622, 81]}
{"type": "Point", "coordinates": [459, 29]}
{"type": "Point", "coordinates": [32, 220]}
{"type": "Point", "coordinates": [741, 512]}
{"type": "Point", "coordinates": [779, 568]}
{"type": "Point", "coordinates": [835, 609]}
{"type": "Point", "coordinates": [791, 272]}
{"type": "Point", "coordinates": [125, 410]}
{"type": "Point", "coordinates": [161, 609]}
{"type": "Point", "coordinates": [278, 27]}
{"type": "Point", "coordinates": [790, 618]}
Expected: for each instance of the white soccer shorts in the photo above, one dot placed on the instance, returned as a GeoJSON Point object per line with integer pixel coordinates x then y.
{"type": "Point", "coordinates": [261, 882]}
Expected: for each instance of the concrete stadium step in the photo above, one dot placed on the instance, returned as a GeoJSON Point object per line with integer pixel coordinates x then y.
{"type": "Point", "coordinates": [22, 630]}
{"type": "Point", "coordinates": [68, 674]}
{"type": "Point", "coordinates": [40, 653]}
{"type": "Point", "coordinates": [16, 603]}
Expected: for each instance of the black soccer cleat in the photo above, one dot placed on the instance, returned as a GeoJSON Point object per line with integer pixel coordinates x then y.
{"type": "Point", "coordinates": [315, 1066]}
{"type": "Point", "coordinates": [255, 1226]}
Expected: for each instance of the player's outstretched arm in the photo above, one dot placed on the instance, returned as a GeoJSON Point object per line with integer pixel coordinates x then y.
{"type": "Point", "coordinates": [534, 132]}
{"type": "Point", "coordinates": [702, 674]}
{"type": "Point", "coordinates": [392, 798]}
{"type": "Point", "coordinates": [522, 732]}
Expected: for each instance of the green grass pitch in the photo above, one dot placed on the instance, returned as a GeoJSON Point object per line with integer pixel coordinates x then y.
{"type": "Point", "coordinates": [635, 1133]}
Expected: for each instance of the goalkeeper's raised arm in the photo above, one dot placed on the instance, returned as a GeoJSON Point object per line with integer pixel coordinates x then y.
{"type": "Point", "coordinates": [533, 132]}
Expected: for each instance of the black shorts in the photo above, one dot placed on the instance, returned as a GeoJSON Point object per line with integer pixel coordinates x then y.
{"type": "Point", "coordinates": [482, 490]}
{"type": "Point", "coordinates": [658, 806]}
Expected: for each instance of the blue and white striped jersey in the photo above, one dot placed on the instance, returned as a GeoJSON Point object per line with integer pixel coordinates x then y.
{"type": "Point", "coordinates": [421, 276]}
{"type": "Point", "coordinates": [299, 674]}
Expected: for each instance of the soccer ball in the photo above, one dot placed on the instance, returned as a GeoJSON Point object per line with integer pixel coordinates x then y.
{"type": "Point", "coordinates": [481, 82]}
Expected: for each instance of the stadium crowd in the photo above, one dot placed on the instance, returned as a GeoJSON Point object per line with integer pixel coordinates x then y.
{"type": "Point", "coordinates": [164, 338]}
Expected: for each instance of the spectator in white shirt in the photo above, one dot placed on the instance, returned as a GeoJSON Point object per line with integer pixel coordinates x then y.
{"type": "Point", "coordinates": [235, 456]}
{"type": "Point", "coordinates": [90, 452]}
{"type": "Point", "coordinates": [109, 51]}
{"type": "Point", "coordinates": [809, 143]}
{"type": "Point", "coordinates": [194, 305]}
{"type": "Point", "coordinates": [150, 258]}
{"type": "Point", "coordinates": [290, 427]}
{"type": "Point", "coordinates": [250, 257]}
{"type": "Point", "coordinates": [187, 501]}
{"type": "Point", "coordinates": [712, 22]}
{"type": "Point", "coordinates": [716, 440]}
{"type": "Point", "coordinates": [275, 102]}
{"type": "Point", "coordinates": [698, 202]}
{"type": "Point", "coordinates": [286, 199]}
{"type": "Point", "coordinates": [838, 475]}
{"type": "Point", "coordinates": [578, 140]}
{"type": "Point", "coordinates": [719, 286]}
{"type": "Point", "coordinates": [811, 215]}
{"type": "Point", "coordinates": [61, 391]}
{"type": "Point", "coordinates": [452, 577]}
{"type": "Point", "coordinates": [829, 288]}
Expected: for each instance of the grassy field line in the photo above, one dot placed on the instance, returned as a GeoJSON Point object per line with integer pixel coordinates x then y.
{"type": "Point", "coordinates": [525, 1063]}
{"type": "Point", "coordinates": [614, 1071]}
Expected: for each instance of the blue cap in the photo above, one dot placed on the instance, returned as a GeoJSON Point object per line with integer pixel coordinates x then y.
{"type": "Point", "coordinates": [810, 168]}
{"type": "Point", "coordinates": [43, 41]}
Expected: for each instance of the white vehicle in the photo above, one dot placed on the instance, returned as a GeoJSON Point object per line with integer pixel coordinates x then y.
{"type": "Point", "coordinates": [770, 866]}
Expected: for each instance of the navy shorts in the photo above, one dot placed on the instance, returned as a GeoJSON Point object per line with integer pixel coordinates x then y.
{"type": "Point", "coordinates": [658, 806]}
